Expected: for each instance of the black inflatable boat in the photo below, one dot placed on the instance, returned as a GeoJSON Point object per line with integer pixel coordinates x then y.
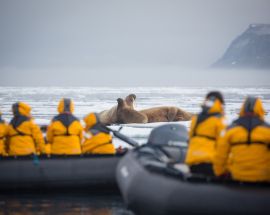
{"type": "Point", "coordinates": [95, 172]}
{"type": "Point", "coordinates": [32, 172]}
{"type": "Point", "coordinates": [150, 184]}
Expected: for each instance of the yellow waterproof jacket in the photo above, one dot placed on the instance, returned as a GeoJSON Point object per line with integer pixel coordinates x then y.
{"type": "Point", "coordinates": [24, 136]}
{"type": "Point", "coordinates": [65, 132]}
{"type": "Point", "coordinates": [96, 142]}
{"type": "Point", "coordinates": [3, 134]}
{"type": "Point", "coordinates": [243, 151]}
{"type": "Point", "coordinates": [204, 131]}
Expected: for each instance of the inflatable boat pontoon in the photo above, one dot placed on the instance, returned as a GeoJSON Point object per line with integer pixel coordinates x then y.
{"type": "Point", "coordinates": [148, 188]}
{"type": "Point", "coordinates": [42, 172]}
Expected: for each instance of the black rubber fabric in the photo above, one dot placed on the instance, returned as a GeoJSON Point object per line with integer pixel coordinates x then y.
{"type": "Point", "coordinates": [203, 168]}
{"type": "Point", "coordinates": [153, 192]}
{"type": "Point", "coordinates": [62, 171]}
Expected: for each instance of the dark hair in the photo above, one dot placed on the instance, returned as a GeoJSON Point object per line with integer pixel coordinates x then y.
{"type": "Point", "coordinates": [216, 95]}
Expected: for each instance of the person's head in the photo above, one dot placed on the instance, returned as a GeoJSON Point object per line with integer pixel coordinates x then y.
{"type": "Point", "coordinates": [90, 120]}
{"type": "Point", "coordinates": [66, 106]}
{"type": "Point", "coordinates": [252, 106]}
{"type": "Point", "coordinates": [21, 108]}
{"type": "Point", "coordinates": [213, 95]}
{"type": "Point", "coordinates": [214, 102]}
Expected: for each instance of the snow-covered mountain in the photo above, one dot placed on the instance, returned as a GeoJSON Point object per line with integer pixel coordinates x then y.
{"type": "Point", "coordinates": [249, 50]}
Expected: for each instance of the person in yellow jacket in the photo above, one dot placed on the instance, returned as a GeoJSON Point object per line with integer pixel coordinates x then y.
{"type": "Point", "coordinates": [24, 136]}
{"type": "Point", "coordinates": [65, 132]}
{"type": "Point", "coordinates": [204, 133]}
{"type": "Point", "coordinates": [243, 151]}
{"type": "Point", "coordinates": [3, 135]}
{"type": "Point", "coordinates": [97, 140]}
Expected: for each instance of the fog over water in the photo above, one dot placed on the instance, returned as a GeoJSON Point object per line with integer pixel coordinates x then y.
{"type": "Point", "coordinates": [133, 77]}
{"type": "Point", "coordinates": [123, 43]}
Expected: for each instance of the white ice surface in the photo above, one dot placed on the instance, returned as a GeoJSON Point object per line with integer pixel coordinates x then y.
{"type": "Point", "coordinates": [44, 100]}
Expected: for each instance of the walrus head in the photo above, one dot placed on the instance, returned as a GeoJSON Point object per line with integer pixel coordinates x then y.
{"type": "Point", "coordinates": [120, 103]}
{"type": "Point", "coordinates": [126, 114]}
{"type": "Point", "coordinates": [183, 115]}
{"type": "Point", "coordinates": [130, 99]}
{"type": "Point", "coordinates": [131, 96]}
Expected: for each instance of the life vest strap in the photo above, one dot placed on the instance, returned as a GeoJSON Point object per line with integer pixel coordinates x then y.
{"type": "Point", "coordinates": [103, 144]}
{"type": "Point", "coordinates": [251, 142]}
{"type": "Point", "coordinates": [205, 136]}
{"type": "Point", "coordinates": [20, 134]}
{"type": "Point", "coordinates": [64, 135]}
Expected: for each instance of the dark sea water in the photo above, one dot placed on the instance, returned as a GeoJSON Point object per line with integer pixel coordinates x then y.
{"type": "Point", "coordinates": [68, 203]}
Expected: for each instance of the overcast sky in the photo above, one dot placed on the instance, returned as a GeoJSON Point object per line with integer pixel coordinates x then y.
{"type": "Point", "coordinates": [120, 42]}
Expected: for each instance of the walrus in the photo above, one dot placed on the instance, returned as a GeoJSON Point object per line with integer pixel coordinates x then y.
{"type": "Point", "coordinates": [166, 114]}
{"type": "Point", "coordinates": [108, 117]}
{"type": "Point", "coordinates": [126, 113]}
{"type": "Point", "coordinates": [130, 100]}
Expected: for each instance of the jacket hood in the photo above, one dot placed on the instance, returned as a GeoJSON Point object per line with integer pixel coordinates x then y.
{"type": "Point", "coordinates": [21, 108]}
{"type": "Point", "coordinates": [252, 106]}
{"type": "Point", "coordinates": [90, 120]}
{"type": "Point", "coordinates": [66, 106]}
{"type": "Point", "coordinates": [213, 106]}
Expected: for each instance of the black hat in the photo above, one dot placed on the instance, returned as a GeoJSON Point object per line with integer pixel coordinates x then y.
{"type": "Point", "coordinates": [216, 95]}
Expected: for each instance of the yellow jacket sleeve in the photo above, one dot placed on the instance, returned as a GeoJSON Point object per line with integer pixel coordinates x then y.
{"type": "Point", "coordinates": [81, 130]}
{"type": "Point", "coordinates": [222, 153]}
{"type": "Point", "coordinates": [6, 130]}
{"type": "Point", "coordinates": [220, 127]}
{"type": "Point", "coordinates": [38, 137]}
{"type": "Point", "coordinates": [49, 133]}
{"type": "Point", "coordinates": [192, 126]}
{"type": "Point", "coordinates": [3, 140]}
{"type": "Point", "coordinates": [81, 135]}
{"type": "Point", "coordinates": [6, 140]}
